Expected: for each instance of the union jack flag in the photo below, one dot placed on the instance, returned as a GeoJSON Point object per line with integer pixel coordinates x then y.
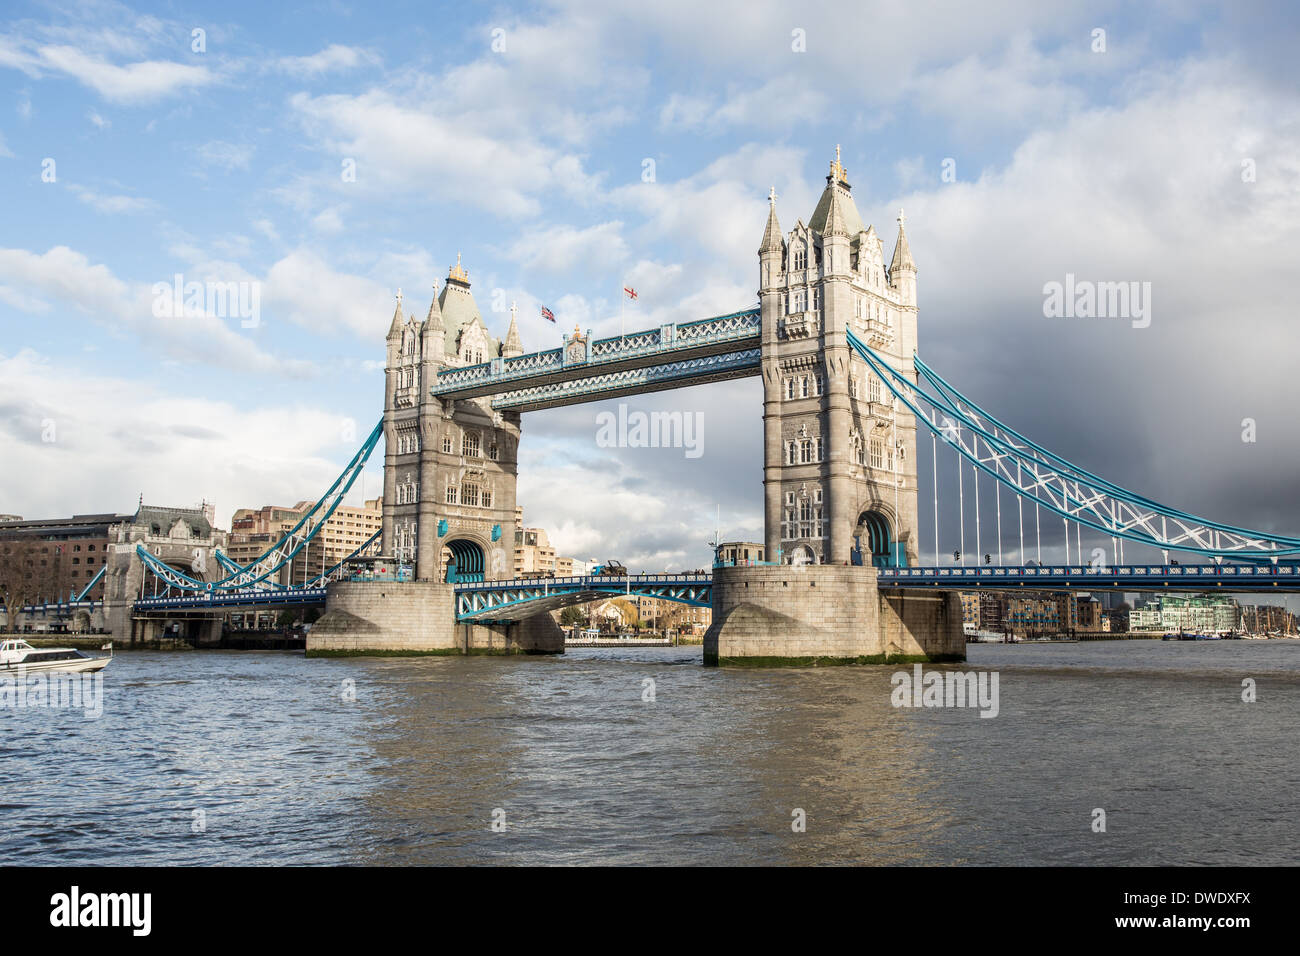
{"type": "Point", "coordinates": [631, 292]}
{"type": "Point", "coordinates": [547, 314]}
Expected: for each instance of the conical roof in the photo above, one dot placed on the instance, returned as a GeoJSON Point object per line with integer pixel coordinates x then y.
{"type": "Point", "coordinates": [902, 253]}
{"type": "Point", "coordinates": [836, 221]}
{"type": "Point", "coordinates": [772, 241]}
{"type": "Point", "coordinates": [513, 344]}
{"type": "Point", "coordinates": [395, 328]}
{"type": "Point", "coordinates": [433, 321]}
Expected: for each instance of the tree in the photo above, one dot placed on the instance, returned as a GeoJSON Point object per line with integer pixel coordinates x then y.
{"type": "Point", "coordinates": [573, 615]}
{"type": "Point", "coordinates": [627, 610]}
{"type": "Point", "coordinates": [15, 588]}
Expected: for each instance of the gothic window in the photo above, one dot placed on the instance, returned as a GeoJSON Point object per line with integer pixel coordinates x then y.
{"type": "Point", "coordinates": [798, 301]}
{"type": "Point", "coordinates": [817, 449]}
{"type": "Point", "coordinates": [817, 301]}
{"type": "Point", "coordinates": [873, 388]}
{"type": "Point", "coordinates": [469, 495]}
{"type": "Point", "coordinates": [805, 517]}
{"type": "Point", "coordinates": [803, 386]}
{"type": "Point", "coordinates": [805, 451]}
{"type": "Point", "coordinates": [451, 494]}
{"type": "Point", "coordinates": [853, 386]}
{"type": "Point", "coordinates": [818, 385]}
{"type": "Point", "coordinates": [492, 451]}
{"type": "Point", "coordinates": [446, 444]}
{"type": "Point", "coordinates": [800, 258]}
{"type": "Point", "coordinates": [469, 445]}
{"type": "Point", "coordinates": [791, 452]}
{"type": "Point", "coordinates": [789, 387]}
{"type": "Point", "coordinates": [487, 498]}
{"type": "Point", "coordinates": [877, 453]}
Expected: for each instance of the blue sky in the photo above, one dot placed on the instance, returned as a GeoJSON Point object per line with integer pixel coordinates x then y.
{"type": "Point", "coordinates": [528, 159]}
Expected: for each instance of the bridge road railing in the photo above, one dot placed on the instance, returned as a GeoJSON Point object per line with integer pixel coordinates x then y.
{"type": "Point", "coordinates": [1188, 577]}
{"type": "Point", "coordinates": [479, 599]}
{"type": "Point", "coordinates": [670, 341]}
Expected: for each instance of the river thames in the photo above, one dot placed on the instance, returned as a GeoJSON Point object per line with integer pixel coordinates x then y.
{"type": "Point", "coordinates": [269, 758]}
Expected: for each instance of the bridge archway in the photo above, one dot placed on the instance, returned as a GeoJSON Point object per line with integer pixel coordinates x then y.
{"type": "Point", "coordinates": [463, 560]}
{"type": "Point", "coordinates": [802, 554]}
{"type": "Point", "coordinates": [874, 540]}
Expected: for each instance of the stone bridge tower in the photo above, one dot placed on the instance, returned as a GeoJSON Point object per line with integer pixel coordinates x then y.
{"type": "Point", "coordinates": [449, 466]}
{"type": "Point", "coordinates": [839, 469]}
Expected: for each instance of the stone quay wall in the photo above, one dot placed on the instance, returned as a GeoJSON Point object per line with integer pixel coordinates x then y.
{"type": "Point", "coordinates": [824, 614]}
{"type": "Point", "coordinates": [417, 617]}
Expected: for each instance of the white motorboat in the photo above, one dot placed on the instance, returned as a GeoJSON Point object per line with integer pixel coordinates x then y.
{"type": "Point", "coordinates": [15, 655]}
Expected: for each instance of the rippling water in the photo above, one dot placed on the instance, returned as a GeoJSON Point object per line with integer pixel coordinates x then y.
{"type": "Point", "coordinates": [286, 770]}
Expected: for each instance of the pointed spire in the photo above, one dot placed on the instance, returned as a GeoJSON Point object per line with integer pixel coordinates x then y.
{"type": "Point", "coordinates": [836, 223]}
{"type": "Point", "coordinates": [902, 254]}
{"type": "Point", "coordinates": [395, 329]}
{"type": "Point", "coordinates": [512, 345]}
{"type": "Point", "coordinates": [434, 319]}
{"type": "Point", "coordinates": [772, 241]}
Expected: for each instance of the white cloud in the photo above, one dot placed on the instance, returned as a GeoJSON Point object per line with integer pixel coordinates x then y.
{"type": "Point", "coordinates": [422, 149]}
{"type": "Point", "coordinates": [562, 249]}
{"type": "Point", "coordinates": [312, 294]}
{"type": "Point", "coordinates": [70, 279]}
{"type": "Point", "coordinates": [113, 205]}
{"type": "Point", "coordinates": [336, 56]}
{"type": "Point", "coordinates": [252, 455]}
{"type": "Point", "coordinates": [227, 156]}
{"type": "Point", "coordinates": [141, 82]}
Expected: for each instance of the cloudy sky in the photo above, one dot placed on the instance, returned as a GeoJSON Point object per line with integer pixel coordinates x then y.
{"type": "Point", "coordinates": [328, 154]}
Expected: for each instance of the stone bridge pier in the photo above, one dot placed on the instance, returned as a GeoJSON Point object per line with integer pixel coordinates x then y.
{"type": "Point", "coordinates": [826, 614]}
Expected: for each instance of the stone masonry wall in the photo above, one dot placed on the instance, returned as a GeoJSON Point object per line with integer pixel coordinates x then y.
{"type": "Point", "coordinates": [417, 618]}
{"type": "Point", "coordinates": [800, 614]}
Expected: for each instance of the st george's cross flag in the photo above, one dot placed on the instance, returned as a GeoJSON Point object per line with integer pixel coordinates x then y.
{"type": "Point", "coordinates": [629, 292]}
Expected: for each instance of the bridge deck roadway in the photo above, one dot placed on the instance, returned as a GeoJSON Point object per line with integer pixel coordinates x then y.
{"type": "Point", "coordinates": [669, 357]}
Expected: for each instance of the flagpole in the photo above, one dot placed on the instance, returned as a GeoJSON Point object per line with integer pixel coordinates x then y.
{"type": "Point", "coordinates": [622, 308]}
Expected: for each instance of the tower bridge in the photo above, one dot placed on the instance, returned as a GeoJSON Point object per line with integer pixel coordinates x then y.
{"type": "Point", "coordinates": [846, 400]}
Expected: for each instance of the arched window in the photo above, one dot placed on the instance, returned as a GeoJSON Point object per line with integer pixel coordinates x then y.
{"type": "Point", "coordinates": [803, 386]}
{"type": "Point", "coordinates": [789, 387]}
{"type": "Point", "coordinates": [806, 451]}
{"type": "Point", "coordinates": [800, 258]}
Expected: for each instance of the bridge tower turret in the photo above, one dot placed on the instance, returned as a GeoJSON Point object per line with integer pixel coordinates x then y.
{"type": "Point", "coordinates": [839, 453]}
{"type": "Point", "coordinates": [772, 268]}
{"type": "Point", "coordinates": [450, 465]}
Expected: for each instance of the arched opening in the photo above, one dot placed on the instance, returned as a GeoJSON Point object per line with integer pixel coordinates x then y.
{"type": "Point", "coordinates": [874, 541]}
{"type": "Point", "coordinates": [464, 561]}
{"type": "Point", "coordinates": [802, 554]}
